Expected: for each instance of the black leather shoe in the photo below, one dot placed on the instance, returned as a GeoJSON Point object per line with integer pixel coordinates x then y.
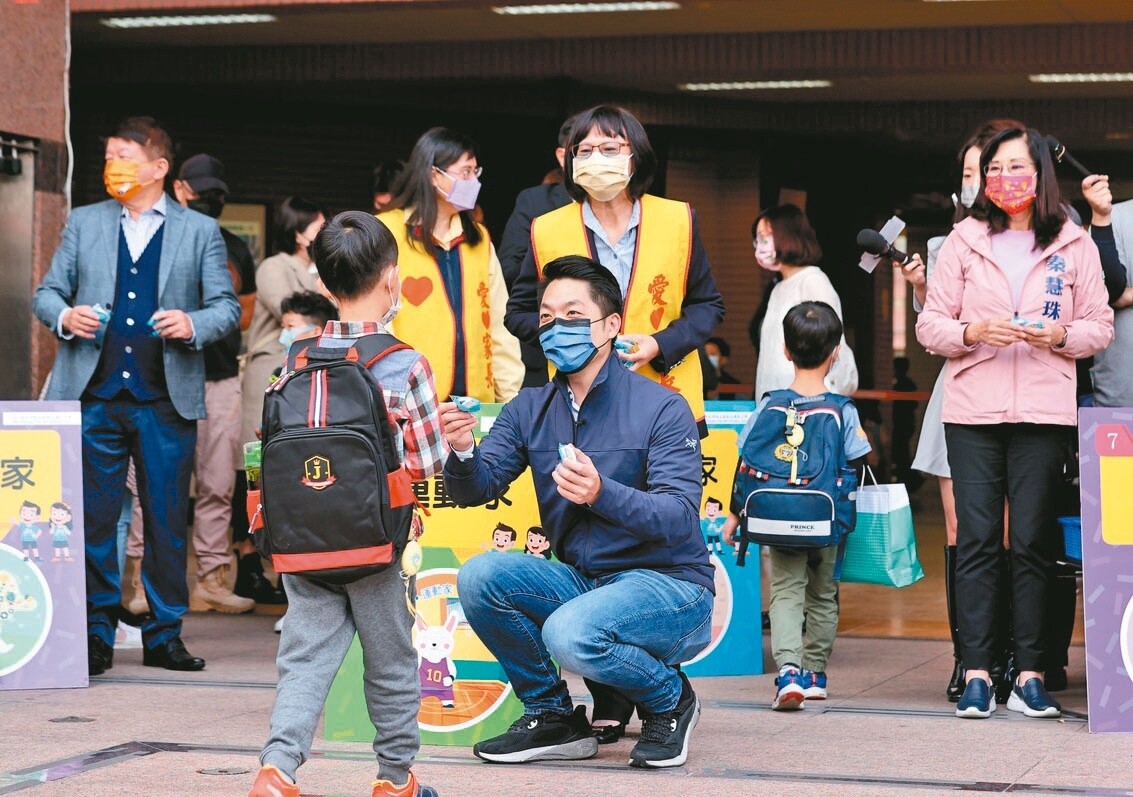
{"type": "Point", "coordinates": [608, 734]}
{"type": "Point", "coordinates": [1055, 679]}
{"type": "Point", "coordinates": [100, 656]}
{"type": "Point", "coordinates": [956, 682]}
{"type": "Point", "coordinates": [172, 656]}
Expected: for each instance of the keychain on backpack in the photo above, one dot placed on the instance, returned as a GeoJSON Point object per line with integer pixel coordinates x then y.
{"type": "Point", "coordinates": [412, 555]}
{"type": "Point", "coordinates": [795, 436]}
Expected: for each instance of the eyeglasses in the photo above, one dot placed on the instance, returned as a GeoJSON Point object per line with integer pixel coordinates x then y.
{"type": "Point", "coordinates": [467, 173]}
{"type": "Point", "coordinates": [1014, 168]}
{"type": "Point", "coordinates": [608, 148]}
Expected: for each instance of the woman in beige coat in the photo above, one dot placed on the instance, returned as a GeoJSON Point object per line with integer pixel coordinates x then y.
{"type": "Point", "coordinates": [291, 269]}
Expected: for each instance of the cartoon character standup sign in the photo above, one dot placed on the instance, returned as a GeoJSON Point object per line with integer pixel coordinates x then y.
{"type": "Point", "coordinates": [712, 525]}
{"type": "Point", "coordinates": [435, 666]}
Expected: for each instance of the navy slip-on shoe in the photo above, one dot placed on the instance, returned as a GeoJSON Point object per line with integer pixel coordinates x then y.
{"type": "Point", "coordinates": [1033, 700]}
{"type": "Point", "coordinates": [977, 701]}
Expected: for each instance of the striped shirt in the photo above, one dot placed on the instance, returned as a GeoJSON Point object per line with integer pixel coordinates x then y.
{"type": "Point", "coordinates": [413, 409]}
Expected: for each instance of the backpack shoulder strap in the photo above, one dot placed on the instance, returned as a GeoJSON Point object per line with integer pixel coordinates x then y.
{"type": "Point", "coordinates": [299, 353]}
{"type": "Point", "coordinates": [371, 349]}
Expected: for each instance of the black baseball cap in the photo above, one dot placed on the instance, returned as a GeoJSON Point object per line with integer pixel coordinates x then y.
{"type": "Point", "coordinates": [203, 172]}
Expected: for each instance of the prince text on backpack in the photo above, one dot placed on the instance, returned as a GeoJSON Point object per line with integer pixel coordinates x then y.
{"type": "Point", "coordinates": [792, 487]}
{"type": "Point", "coordinates": [337, 505]}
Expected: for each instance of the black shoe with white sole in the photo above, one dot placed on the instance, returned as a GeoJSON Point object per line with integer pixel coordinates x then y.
{"type": "Point", "coordinates": [665, 735]}
{"type": "Point", "coordinates": [541, 737]}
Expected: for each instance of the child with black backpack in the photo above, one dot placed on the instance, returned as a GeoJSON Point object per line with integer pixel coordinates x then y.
{"type": "Point", "coordinates": [352, 420]}
{"type": "Point", "coordinates": [794, 492]}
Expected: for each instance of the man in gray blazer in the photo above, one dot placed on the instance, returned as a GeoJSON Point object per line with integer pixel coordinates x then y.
{"type": "Point", "coordinates": [138, 286]}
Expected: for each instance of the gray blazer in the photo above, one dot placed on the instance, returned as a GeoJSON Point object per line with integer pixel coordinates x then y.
{"type": "Point", "coordinates": [192, 276]}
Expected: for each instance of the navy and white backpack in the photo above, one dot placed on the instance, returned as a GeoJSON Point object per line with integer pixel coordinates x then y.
{"type": "Point", "coordinates": [793, 488]}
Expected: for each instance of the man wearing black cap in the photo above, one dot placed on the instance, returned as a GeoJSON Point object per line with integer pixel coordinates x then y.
{"type": "Point", "coordinates": [201, 186]}
{"type": "Point", "coordinates": [137, 288]}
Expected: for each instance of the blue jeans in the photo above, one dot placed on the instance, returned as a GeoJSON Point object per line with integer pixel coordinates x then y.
{"type": "Point", "coordinates": [628, 630]}
{"type": "Point", "coordinates": [162, 444]}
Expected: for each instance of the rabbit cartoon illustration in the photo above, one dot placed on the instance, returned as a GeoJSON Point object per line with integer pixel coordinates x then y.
{"type": "Point", "coordinates": [435, 666]}
{"type": "Point", "coordinates": [11, 602]}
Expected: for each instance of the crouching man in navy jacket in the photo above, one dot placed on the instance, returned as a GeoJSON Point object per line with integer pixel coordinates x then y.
{"type": "Point", "coordinates": [631, 595]}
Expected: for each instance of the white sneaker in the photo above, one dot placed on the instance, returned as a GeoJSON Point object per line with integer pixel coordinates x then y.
{"type": "Point", "coordinates": [127, 637]}
{"type": "Point", "coordinates": [279, 624]}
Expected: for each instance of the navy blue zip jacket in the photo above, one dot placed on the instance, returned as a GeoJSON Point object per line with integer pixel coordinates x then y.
{"type": "Point", "coordinates": [644, 443]}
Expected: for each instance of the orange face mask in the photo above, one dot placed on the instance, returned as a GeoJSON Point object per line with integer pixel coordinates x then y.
{"type": "Point", "coordinates": [120, 176]}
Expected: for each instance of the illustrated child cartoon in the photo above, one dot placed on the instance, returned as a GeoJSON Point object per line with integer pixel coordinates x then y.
{"type": "Point", "coordinates": [503, 537]}
{"type": "Point", "coordinates": [11, 602]}
{"type": "Point", "coordinates": [537, 543]}
{"type": "Point", "coordinates": [60, 527]}
{"type": "Point", "coordinates": [712, 524]}
{"type": "Point", "coordinates": [29, 530]}
{"type": "Point", "coordinates": [435, 666]}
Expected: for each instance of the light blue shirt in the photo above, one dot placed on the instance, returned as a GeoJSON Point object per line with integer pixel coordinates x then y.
{"type": "Point", "coordinates": [853, 436]}
{"type": "Point", "coordinates": [616, 257]}
{"type": "Point", "coordinates": [139, 232]}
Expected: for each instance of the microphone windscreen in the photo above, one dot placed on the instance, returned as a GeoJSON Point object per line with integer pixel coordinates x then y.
{"type": "Point", "coordinates": [873, 242]}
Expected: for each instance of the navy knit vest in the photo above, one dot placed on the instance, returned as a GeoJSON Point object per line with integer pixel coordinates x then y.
{"type": "Point", "coordinates": [132, 357]}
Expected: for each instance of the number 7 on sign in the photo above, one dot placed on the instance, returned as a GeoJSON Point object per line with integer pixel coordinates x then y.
{"type": "Point", "coordinates": [1114, 446]}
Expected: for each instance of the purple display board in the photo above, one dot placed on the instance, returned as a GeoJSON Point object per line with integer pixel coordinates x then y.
{"type": "Point", "coordinates": [1106, 459]}
{"type": "Point", "coordinates": [43, 623]}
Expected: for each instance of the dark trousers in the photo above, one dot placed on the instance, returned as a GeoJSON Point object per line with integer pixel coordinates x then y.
{"type": "Point", "coordinates": [1022, 463]}
{"type": "Point", "coordinates": [162, 445]}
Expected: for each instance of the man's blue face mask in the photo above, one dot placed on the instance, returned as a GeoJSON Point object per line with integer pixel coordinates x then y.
{"type": "Point", "coordinates": [567, 343]}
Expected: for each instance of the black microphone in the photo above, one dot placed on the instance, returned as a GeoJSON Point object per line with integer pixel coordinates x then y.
{"type": "Point", "coordinates": [874, 242]}
{"type": "Point", "coordinates": [1058, 150]}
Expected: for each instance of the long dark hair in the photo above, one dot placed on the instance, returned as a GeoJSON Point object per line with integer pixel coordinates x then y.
{"type": "Point", "coordinates": [1049, 215]}
{"type": "Point", "coordinates": [979, 139]}
{"type": "Point", "coordinates": [439, 147]}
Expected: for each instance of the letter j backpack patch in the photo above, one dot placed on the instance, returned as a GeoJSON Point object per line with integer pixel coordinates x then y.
{"type": "Point", "coordinates": [793, 488]}
{"type": "Point", "coordinates": [336, 503]}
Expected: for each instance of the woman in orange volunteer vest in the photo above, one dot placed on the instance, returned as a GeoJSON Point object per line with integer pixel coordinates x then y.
{"type": "Point", "coordinates": [650, 244]}
{"type": "Point", "coordinates": [453, 294]}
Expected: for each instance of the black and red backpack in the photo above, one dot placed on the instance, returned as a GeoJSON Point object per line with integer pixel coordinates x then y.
{"type": "Point", "coordinates": [336, 503]}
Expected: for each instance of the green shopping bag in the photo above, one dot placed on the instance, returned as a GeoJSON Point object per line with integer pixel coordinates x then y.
{"type": "Point", "coordinates": [882, 549]}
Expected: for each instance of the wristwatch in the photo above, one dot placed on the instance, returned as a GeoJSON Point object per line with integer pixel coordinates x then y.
{"type": "Point", "coordinates": [1062, 343]}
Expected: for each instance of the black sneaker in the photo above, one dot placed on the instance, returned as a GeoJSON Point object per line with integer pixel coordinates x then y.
{"type": "Point", "coordinates": [665, 735]}
{"type": "Point", "coordinates": [541, 737]}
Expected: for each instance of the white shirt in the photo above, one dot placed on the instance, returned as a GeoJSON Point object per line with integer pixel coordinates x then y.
{"type": "Point", "coordinates": [773, 371]}
{"type": "Point", "coordinates": [140, 232]}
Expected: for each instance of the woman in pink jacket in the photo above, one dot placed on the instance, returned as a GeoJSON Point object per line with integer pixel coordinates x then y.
{"type": "Point", "coordinates": [1016, 298]}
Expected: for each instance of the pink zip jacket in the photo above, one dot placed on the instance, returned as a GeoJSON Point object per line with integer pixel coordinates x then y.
{"type": "Point", "coordinates": [1018, 383]}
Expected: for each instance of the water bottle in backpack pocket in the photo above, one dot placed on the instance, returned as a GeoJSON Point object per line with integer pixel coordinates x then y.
{"type": "Point", "coordinates": [793, 488]}
{"type": "Point", "coordinates": [336, 503]}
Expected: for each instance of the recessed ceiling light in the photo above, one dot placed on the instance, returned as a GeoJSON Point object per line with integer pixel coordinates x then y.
{"type": "Point", "coordinates": [128, 23]}
{"type": "Point", "coordinates": [1082, 77]}
{"type": "Point", "coordinates": [588, 8]}
{"type": "Point", "coordinates": [756, 85]}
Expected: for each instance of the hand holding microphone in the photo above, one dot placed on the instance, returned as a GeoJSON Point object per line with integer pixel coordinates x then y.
{"type": "Point", "coordinates": [874, 243]}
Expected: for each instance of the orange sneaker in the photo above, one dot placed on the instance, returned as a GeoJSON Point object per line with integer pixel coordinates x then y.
{"type": "Point", "coordinates": [270, 782]}
{"type": "Point", "coordinates": [384, 788]}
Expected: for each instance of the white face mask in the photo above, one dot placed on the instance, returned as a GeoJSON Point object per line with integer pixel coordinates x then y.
{"type": "Point", "coordinates": [394, 299]}
{"type": "Point", "coordinates": [968, 194]}
{"type": "Point", "coordinates": [602, 177]}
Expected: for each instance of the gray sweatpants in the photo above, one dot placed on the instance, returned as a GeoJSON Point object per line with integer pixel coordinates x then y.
{"type": "Point", "coordinates": [321, 621]}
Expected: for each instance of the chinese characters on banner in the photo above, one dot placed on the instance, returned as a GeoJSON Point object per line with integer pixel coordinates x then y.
{"type": "Point", "coordinates": [42, 574]}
